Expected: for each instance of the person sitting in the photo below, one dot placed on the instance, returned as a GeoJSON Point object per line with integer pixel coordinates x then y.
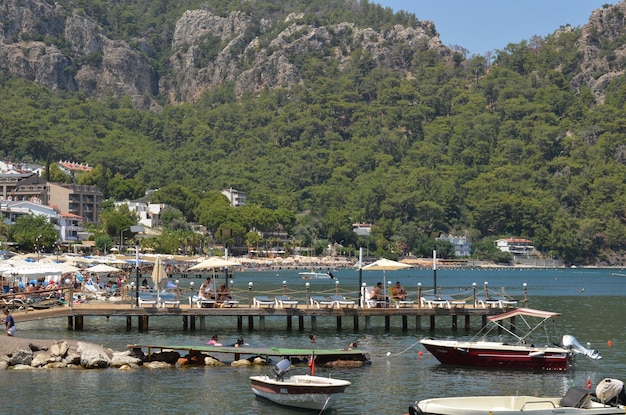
{"type": "Point", "coordinates": [9, 322]}
{"type": "Point", "coordinates": [399, 294]}
{"type": "Point", "coordinates": [206, 290]}
{"type": "Point", "coordinates": [223, 294]}
{"type": "Point", "coordinates": [376, 293]}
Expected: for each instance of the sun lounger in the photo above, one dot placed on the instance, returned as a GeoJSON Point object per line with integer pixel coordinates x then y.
{"type": "Point", "coordinates": [231, 302]}
{"type": "Point", "coordinates": [147, 300]}
{"type": "Point", "coordinates": [434, 301]}
{"type": "Point", "coordinates": [340, 301]}
{"type": "Point", "coordinates": [263, 301]}
{"type": "Point", "coordinates": [403, 303]}
{"type": "Point", "coordinates": [496, 301]}
{"type": "Point", "coordinates": [284, 301]}
{"type": "Point", "coordinates": [201, 302]}
{"type": "Point", "coordinates": [169, 300]}
{"type": "Point", "coordinates": [371, 302]}
{"type": "Point", "coordinates": [319, 301]}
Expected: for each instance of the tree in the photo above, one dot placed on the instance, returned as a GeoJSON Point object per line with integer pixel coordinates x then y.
{"type": "Point", "coordinates": [33, 232]}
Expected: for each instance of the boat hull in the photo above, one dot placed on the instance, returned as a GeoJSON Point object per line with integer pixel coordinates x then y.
{"type": "Point", "coordinates": [301, 391]}
{"type": "Point", "coordinates": [498, 355]}
{"type": "Point", "coordinates": [507, 405]}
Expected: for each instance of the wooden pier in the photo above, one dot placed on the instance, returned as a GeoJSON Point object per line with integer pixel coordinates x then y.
{"type": "Point", "coordinates": [255, 318]}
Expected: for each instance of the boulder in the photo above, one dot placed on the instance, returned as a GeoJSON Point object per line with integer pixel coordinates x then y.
{"type": "Point", "coordinates": [124, 358]}
{"type": "Point", "coordinates": [93, 356]}
{"type": "Point", "coordinates": [21, 357]}
{"type": "Point", "coordinates": [59, 348]}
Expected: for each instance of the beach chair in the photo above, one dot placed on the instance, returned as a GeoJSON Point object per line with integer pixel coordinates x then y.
{"type": "Point", "coordinates": [168, 299]}
{"type": "Point", "coordinates": [319, 301]}
{"type": "Point", "coordinates": [434, 301]}
{"type": "Point", "coordinates": [406, 303]}
{"type": "Point", "coordinates": [147, 300]}
{"type": "Point", "coordinates": [453, 302]}
{"type": "Point", "coordinates": [263, 301]}
{"type": "Point", "coordinates": [229, 302]}
{"type": "Point", "coordinates": [201, 302]}
{"type": "Point", "coordinates": [370, 302]}
{"type": "Point", "coordinates": [284, 301]}
{"type": "Point", "coordinates": [488, 302]}
{"type": "Point", "coordinates": [340, 301]}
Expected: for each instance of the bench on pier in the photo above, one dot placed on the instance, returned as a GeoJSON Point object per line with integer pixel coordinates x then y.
{"type": "Point", "coordinates": [169, 300]}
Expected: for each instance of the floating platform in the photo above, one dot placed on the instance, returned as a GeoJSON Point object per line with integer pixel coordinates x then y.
{"type": "Point", "coordinates": [322, 356]}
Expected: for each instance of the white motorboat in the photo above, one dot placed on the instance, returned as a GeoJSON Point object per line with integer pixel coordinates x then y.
{"type": "Point", "coordinates": [608, 399]}
{"type": "Point", "coordinates": [302, 391]}
{"type": "Point", "coordinates": [312, 275]}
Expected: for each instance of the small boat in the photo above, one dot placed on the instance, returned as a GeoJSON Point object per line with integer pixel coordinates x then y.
{"type": "Point", "coordinates": [608, 399]}
{"type": "Point", "coordinates": [301, 391]}
{"type": "Point", "coordinates": [312, 275]}
{"type": "Point", "coordinates": [524, 351]}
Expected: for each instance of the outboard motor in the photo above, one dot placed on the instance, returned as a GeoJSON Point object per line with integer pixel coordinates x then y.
{"type": "Point", "coordinates": [611, 392]}
{"type": "Point", "coordinates": [281, 368]}
{"type": "Point", "coordinates": [570, 342]}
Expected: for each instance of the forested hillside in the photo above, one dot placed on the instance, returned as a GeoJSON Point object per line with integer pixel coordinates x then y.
{"type": "Point", "coordinates": [528, 142]}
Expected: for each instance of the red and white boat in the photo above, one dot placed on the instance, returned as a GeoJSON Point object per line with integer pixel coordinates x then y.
{"type": "Point", "coordinates": [301, 391]}
{"type": "Point", "coordinates": [524, 351]}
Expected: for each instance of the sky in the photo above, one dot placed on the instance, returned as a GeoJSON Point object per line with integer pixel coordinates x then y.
{"type": "Point", "coordinates": [481, 26]}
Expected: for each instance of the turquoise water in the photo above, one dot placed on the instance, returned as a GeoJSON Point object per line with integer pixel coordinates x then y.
{"type": "Point", "coordinates": [591, 301]}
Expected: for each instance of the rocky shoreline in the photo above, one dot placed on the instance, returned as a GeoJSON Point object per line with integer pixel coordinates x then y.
{"type": "Point", "coordinates": [20, 354]}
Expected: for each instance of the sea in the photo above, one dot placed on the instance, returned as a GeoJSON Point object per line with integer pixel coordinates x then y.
{"type": "Point", "coordinates": [591, 301]}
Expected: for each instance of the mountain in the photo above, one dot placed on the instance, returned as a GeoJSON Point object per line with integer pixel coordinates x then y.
{"type": "Point", "coordinates": [78, 46]}
{"type": "Point", "coordinates": [338, 111]}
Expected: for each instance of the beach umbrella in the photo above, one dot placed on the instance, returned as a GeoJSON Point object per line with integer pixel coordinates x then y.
{"type": "Point", "coordinates": [214, 262]}
{"type": "Point", "coordinates": [102, 269]}
{"type": "Point", "coordinates": [385, 265]}
{"type": "Point", "coordinates": [158, 274]}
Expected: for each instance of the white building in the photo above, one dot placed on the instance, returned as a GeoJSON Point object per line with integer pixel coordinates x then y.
{"type": "Point", "coordinates": [235, 197]}
{"type": "Point", "coordinates": [68, 225]}
{"type": "Point", "coordinates": [462, 248]}
{"type": "Point", "coordinates": [516, 246]}
{"type": "Point", "coordinates": [148, 214]}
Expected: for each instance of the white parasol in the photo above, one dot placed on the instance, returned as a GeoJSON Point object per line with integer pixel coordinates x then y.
{"type": "Point", "coordinates": [102, 269]}
{"type": "Point", "coordinates": [158, 274]}
{"type": "Point", "coordinates": [384, 265]}
{"type": "Point", "coordinates": [214, 262]}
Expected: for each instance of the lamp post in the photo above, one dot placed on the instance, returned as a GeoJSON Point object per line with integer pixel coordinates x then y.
{"type": "Point", "coordinates": [250, 293]}
{"type": "Point", "coordinates": [474, 295]}
{"type": "Point", "coordinates": [337, 287]}
{"type": "Point", "coordinates": [284, 287]}
{"type": "Point", "coordinates": [308, 294]}
{"type": "Point", "coordinates": [419, 294]}
{"type": "Point", "coordinates": [525, 294]}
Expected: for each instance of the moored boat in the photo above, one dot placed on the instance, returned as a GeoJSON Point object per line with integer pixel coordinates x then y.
{"type": "Point", "coordinates": [608, 399]}
{"type": "Point", "coordinates": [312, 275]}
{"type": "Point", "coordinates": [301, 391]}
{"type": "Point", "coordinates": [524, 351]}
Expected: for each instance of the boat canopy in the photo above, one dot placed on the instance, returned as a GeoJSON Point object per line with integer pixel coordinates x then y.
{"type": "Point", "coordinates": [524, 312]}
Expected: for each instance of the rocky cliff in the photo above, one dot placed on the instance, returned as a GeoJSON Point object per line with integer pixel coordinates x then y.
{"type": "Point", "coordinates": [63, 48]}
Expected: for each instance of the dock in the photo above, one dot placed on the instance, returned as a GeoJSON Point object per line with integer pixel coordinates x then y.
{"type": "Point", "coordinates": [306, 317]}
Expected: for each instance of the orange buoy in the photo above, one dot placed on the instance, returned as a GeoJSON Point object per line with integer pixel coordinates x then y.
{"type": "Point", "coordinates": [420, 353]}
{"type": "Point", "coordinates": [609, 343]}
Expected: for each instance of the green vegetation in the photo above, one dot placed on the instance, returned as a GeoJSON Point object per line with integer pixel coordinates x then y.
{"type": "Point", "coordinates": [502, 148]}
